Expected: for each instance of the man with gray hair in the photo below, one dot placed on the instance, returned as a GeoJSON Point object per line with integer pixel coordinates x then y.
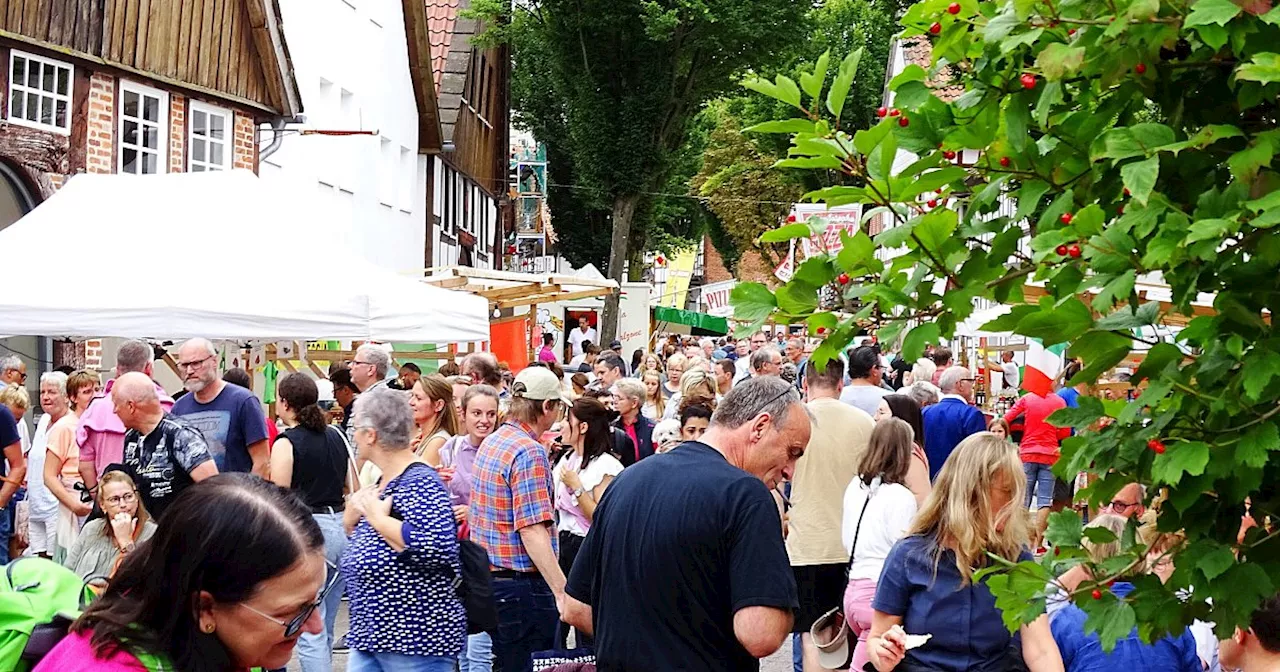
{"type": "Point", "coordinates": [13, 371]}
{"type": "Point", "coordinates": [684, 567]}
{"type": "Point", "coordinates": [229, 416]}
{"type": "Point", "coordinates": [952, 419]}
{"type": "Point", "coordinates": [370, 366]}
{"type": "Point", "coordinates": [165, 454]}
{"type": "Point", "coordinates": [99, 433]}
{"type": "Point", "coordinates": [766, 361]}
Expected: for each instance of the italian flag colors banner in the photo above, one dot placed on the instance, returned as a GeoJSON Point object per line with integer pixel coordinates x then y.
{"type": "Point", "coordinates": [1043, 366]}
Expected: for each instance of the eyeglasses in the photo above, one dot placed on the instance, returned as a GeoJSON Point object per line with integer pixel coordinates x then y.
{"type": "Point", "coordinates": [126, 498]}
{"type": "Point", "coordinates": [294, 625]}
{"type": "Point", "coordinates": [360, 362]}
{"type": "Point", "coordinates": [190, 366]}
{"type": "Point", "coordinates": [1121, 507]}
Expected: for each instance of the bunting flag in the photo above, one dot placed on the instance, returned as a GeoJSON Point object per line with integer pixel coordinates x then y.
{"type": "Point", "coordinates": [1043, 366]}
{"type": "Point", "coordinates": [787, 268]}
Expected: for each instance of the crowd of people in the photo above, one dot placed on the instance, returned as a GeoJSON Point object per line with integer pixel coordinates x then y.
{"type": "Point", "coordinates": [689, 507]}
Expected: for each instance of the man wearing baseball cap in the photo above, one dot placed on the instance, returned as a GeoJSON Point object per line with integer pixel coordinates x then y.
{"type": "Point", "coordinates": [511, 516]}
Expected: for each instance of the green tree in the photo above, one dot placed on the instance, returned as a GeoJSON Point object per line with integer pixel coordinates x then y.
{"type": "Point", "coordinates": [1125, 139]}
{"type": "Point", "coordinates": [623, 79]}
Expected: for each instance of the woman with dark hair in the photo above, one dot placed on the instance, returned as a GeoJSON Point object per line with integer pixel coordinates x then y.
{"type": "Point", "coordinates": [694, 420]}
{"type": "Point", "coordinates": [230, 588]}
{"type": "Point", "coordinates": [312, 459]}
{"type": "Point", "coordinates": [547, 353]}
{"type": "Point", "coordinates": [581, 477]}
{"type": "Point", "coordinates": [908, 410]}
{"type": "Point", "coordinates": [878, 509]}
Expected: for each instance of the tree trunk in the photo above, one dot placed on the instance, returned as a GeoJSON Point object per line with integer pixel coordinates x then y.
{"type": "Point", "coordinates": [624, 210]}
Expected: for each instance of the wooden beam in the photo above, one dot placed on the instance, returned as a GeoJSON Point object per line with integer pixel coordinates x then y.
{"type": "Point", "coordinates": [571, 296]}
{"type": "Point", "coordinates": [447, 283]}
{"type": "Point", "coordinates": [277, 70]}
{"type": "Point", "coordinates": [173, 365]}
{"type": "Point", "coordinates": [430, 134]}
{"type": "Point", "coordinates": [521, 291]}
{"type": "Point", "coordinates": [41, 151]}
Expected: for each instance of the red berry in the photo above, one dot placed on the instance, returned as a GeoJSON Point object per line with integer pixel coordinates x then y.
{"type": "Point", "coordinates": [895, 112]}
{"type": "Point", "coordinates": [1004, 162]}
{"type": "Point", "coordinates": [1028, 80]}
{"type": "Point", "coordinates": [935, 28]}
{"type": "Point", "coordinates": [949, 155]}
{"type": "Point", "coordinates": [1096, 594]}
{"type": "Point", "coordinates": [1140, 68]}
{"type": "Point", "coordinates": [1074, 251]}
{"type": "Point", "coordinates": [938, 190]}
{"type": "Point", "coordinates": [1065, 218]}
{"type": "Point", "coordinates": [1120, 210]}
{"type": "Point", "coordinates": [1111, 583]}
{"type": "Point", "coordinates": [843, 279]}
{"type": "Point", "coordinates": [881, 112]}
{"type": "Point", "coordinates": [903, 122]}
{"type": "Point", "coordinates": [933, 203]}
{"type": "Point", "coordinates": [1071, 32]}
{"type": "Point", "coordinates": [953, 8]}
{"type": "Point", "coordinates": [791, 219]}
{"type": "Point", "coordinates": [1057, 550]}
{"type": "Point", "coordinates": [1061, 250]}
{"type": "Point", "coordinates": [1126, 191]}
{"type": "Point", "coordinates": [1156, 446]}
{"type": "Point", "coordinates": [822, 330]}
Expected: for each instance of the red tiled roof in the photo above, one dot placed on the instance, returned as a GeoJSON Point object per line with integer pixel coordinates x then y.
{"type": "Point", "coordinates": [441, 17]}
{"type": "Point", "coordinates": [918, 50]}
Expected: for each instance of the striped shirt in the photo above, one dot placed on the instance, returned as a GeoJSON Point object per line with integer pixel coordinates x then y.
{"type": "Point", "coordinates": [511, 489]}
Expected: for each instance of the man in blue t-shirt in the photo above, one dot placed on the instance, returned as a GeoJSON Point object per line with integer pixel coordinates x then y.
{"type": "Point", "coordinates": [16, 469]}
{"type": "Point", "coordinates": [229, 416]}
{"type": "Point", "coordinates": [684, 567]}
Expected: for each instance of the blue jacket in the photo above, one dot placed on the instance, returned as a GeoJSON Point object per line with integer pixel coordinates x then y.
{"type": "Point", "coordinates": [1083, 653]}
{"type": "Point", "coordinates": [946, 424]}
{"type": "Point", "coordinates": [644, 434]}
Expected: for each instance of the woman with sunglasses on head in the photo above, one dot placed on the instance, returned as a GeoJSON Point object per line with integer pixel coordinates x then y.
{"type": "Point", "coordinates": [229, 589]}
{"type": "Point", "coordinates": [311, 458]}
{"type": "Point", "coordinates": [104, 543]}
{"type": "Point", "coordinates": [62, 465]}
{"type": "Point", "coordinates": [402, 555]}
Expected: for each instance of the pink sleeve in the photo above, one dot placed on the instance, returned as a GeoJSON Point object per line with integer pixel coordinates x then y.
{"type": "Point", "coordinates": [88, 442]}
{"type": "Point", "coordinates": [1018, 408]}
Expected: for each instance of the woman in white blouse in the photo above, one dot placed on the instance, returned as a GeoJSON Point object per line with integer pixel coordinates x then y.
{"type": "Point", "coordinates": [878, 509]}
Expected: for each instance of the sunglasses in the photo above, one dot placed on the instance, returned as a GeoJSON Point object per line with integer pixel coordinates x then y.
{"type": "Point", "coordinates": [294, 625]}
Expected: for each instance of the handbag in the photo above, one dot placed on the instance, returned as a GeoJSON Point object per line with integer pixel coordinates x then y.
{"type": "Point", "coordinates": [831, 633]}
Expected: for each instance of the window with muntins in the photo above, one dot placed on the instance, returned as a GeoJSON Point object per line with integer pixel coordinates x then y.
{"type": "Point", "coordinates": [40, 92]}
{"type": "Point", "coordinates": [209, 147]}
{"type": "Point", "coordinates": [144, 114]}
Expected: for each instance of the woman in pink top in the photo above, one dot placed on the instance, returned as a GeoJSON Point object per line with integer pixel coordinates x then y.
{"type": "Point", "coordinates": [230, 589]}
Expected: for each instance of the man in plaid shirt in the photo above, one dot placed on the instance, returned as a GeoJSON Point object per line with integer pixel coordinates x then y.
{"type": "Point", "coordinates": [511, 516]}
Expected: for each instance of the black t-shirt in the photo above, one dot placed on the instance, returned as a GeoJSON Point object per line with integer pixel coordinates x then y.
{"type": "Point", "coordinates": [680, 542]}
{"type": "Point", "coordinates": [319, 465]}
{"type": "Point", "coordinates": [161, 461]}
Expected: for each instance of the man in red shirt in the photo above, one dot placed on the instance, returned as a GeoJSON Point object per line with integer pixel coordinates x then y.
{"type": "Point", "coordinates": [1039, 450]}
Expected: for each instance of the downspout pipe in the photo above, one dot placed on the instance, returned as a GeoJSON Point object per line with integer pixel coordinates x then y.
{"type": "Point", "coordinates": [277, 134]}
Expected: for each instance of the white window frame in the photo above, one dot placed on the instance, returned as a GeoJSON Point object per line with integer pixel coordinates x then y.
{"type": "Point", "coordinates": [162, 151]}
{"type": "Point", "coordinates": [228, 138]}
{"type": "Point", "coordinates": [53, 96]}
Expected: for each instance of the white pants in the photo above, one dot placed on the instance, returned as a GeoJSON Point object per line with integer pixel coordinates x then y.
{"type": "Point", "coordinates": [41, 536]}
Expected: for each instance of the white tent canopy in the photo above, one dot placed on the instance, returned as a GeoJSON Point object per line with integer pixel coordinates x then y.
{"type": "Point", "coordinates": [219, 255]}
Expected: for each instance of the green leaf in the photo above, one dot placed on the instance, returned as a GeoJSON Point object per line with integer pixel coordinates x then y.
{"type": "Point", "coordinates": [1213, 35]}
{"type": "Point", "coordinates": [1260, 367]}
{"type": "Point", "coordinates": [810, 163]}
{"type": "Point", "coordinates": [1217, 561]}
{"type": "Point", "coordinates": [1100, 351]}
{"type": "Point", "coordinates": [815, 271]}
{"type": "Point", "coordinates": [1001, 25]}
{"type": "Point", "coordinates": [789, 91]}
{"type": "Point", "coordinates": [857, 250]}
{"type": "Point", "coordinates": [785, 233]}
{"type": "Point", "coordinates": [1126, 317]}
{"type": "Point", "coordinates": [1217, 12]}
{"type": "Point", "coordinates": [751, 301]}
{"type": "Point", "coordinates": [917, 338]}
{"type": "Point", "coordinates": [895, 236]}
{"type": "Point", "coordinates": [936, 228]}
{"type": "Point", "coordinates": [1140, 178]}
{"type": "Point", "coordinates": [911, 95]}
{"type": "Point", "coordinates": [1180, 457]}
{"type": "Point", "coordinates": [1208, 229]}
{"type": "Point", "coordinates": [840, 86]}
{"type": "Point", "coordinates": [1087, 413]}
{"type": "Point", "coordinates": [1116, 290]}
{"type": "Point", "coordinates": [1265, 68]}
{"type": "Point", "coordinates": [1058, 60]}
{"type": "Point", "coordinates": [1057, 324]}
{"type": "Point", "coordinates": [1100, 535]}
{"type": "Point", "coordinates": [1110, 618]}
{"type": "Point", "coordinates": [934, 179]}
{"type": "Point", "coordinates": [1064, 528]}
{"type": "Point", "coordinates": [1255, 447]}
{"type": "Point", "coordinates": [911, 73]}
{"type": "Point", "coordinates": [812, 82]}
{"type": "Point", "coordinates": [1158, 357]}
{"type": "Point", "coordinates": [1245, 164]}
{"type": "Point", "coordinates": [797, 298]}
{"type": "Point", "coordinates": [867, 140]}
{"type": "Point", "coordinates": [783, 126]}
{"type": "Point", "coordinates": [1141, 10]}
{"type": "Point", "coordinates": [1009, 321]}
{"type": "Point", "coordinates": [1050, 96]}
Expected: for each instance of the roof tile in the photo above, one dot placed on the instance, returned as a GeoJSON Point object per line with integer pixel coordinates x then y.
{"type": "Point", "coordinates": [442, 15]}
{"type": "Point", "coordinates": [944, 83]}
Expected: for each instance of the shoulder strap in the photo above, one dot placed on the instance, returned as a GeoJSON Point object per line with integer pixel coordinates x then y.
{"type": "Point", "coordinates": [853, 548]}
{"type": "Point", "coordinates": [352, 479]}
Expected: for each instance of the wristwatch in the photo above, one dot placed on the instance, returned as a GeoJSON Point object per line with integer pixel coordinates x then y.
{"type": "Point", "coordinates": [578, 493]}
{"type": "Point", "coordinates": [128, 548]}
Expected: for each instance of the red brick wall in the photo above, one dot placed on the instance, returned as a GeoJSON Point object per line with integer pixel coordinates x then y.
{"type": "Point", "coordinates": [100, 157]}
{"type": "Point", "coordinates": [244, 153]}
{"type": "Point", "coordinates": [177, 133]}
{"type": "Point", "coordinates": [751, 268]}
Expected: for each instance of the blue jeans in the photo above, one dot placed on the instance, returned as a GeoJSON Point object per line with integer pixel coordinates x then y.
{"type": "Point", "coordinates": [361, 661]}
{"type": "Point", "coordinates": [6, 526]}
{"type": "Point", "coordinates": [1039, 483]}
{"type": "Point", "coordinates": [527, 619]}
{"type": "Point", "coordinates": [315, 652]}
{"type": "Point", "coordinates": [479, 654]}
{"type": "Point", "coordinates": [797, 652]}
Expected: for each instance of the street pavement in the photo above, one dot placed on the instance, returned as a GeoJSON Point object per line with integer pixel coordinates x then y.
{"type": "Point", "coordinates": [778, 662]}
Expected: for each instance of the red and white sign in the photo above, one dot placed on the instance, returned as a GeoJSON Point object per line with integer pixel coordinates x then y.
{"type": "Point", "coordinates": [715, 298]}
{"type": "Point", "coordinates": [787, 268]}
{"type": "Point", "coordinates": [844, 218]}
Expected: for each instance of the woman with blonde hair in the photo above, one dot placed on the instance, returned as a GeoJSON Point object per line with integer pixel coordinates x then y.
{"type": "Point", "coordinates": [676, 364]}
{"type": "Point", "coordinates": [655, 404]}
{"type": "Point", "coordinates": [62, 465]}
{"type": "Point", "coordinates": [430, 399]}
{"type": "Point", "coordinates": [696, 387]}
{"type": "Point", "coordinates": [926, 585]}
{"type": "Point", "coordinates": [923, 369]}
{"type": "Point", "coordinates": [104, 543]}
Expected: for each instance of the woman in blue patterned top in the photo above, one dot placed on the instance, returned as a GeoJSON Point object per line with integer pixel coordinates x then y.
{"type": "Point", "coordinates": [403, 554]}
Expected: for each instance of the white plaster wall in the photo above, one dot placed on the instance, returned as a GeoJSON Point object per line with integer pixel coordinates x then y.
{"type": "Point", "coordinates": [352, 67]}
